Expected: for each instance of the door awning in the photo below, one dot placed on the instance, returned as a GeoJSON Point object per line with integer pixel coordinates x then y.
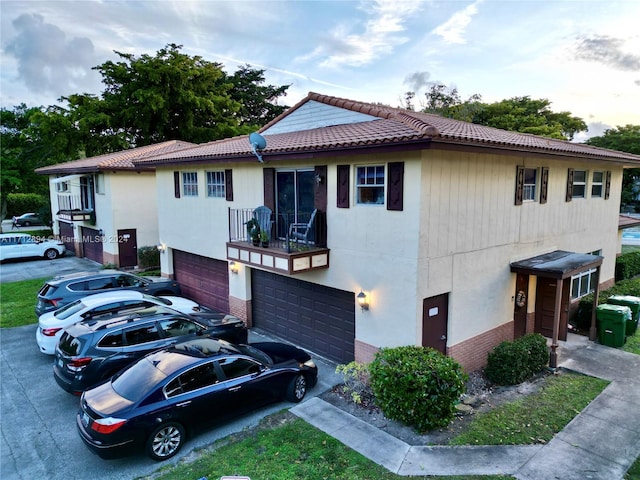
{"type": "Point", "coordinates": [67, 178]}
{"type": "Point", "coordinates": [558, 264]}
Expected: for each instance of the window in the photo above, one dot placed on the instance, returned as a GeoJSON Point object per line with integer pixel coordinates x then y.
{"type": "Point", "coordinates": [62, 187]}
{"type": "Point", "coordinates": [215, 185]}
{"type": "Point", "coordinates": [583, 284]}
{"type": "Point", "coordinates": [99, 183]}
{"type": "Point", "coordinates": [176, 327]}
{"type": "Point", "coordinates": [596, 184]}
{"type": "Point", "coordinates": [529, 185]}
{"type": "Point", "coordinates": [198, 377]}
{"type": "Point", "coordinates": [370, 185]}
{"type": "Point", "coordinates": [238, 367]}
{"type": "Point", "coordinates": [579, 184]}
{"type": "Point", "coordinates": [190, 184]}
{"type": "Point", "coordinates": [142, 334]}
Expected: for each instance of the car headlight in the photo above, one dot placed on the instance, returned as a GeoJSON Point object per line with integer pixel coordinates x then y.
{"type": "Point", "coordinates": [309, 363]}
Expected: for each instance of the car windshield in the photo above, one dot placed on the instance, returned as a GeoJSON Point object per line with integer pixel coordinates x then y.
{"type": "Point", "coordinates": [69, 309]}
{"type": "Point", "coordinates": [137, 381]}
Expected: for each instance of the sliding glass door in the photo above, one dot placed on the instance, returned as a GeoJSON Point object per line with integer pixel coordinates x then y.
{"type": "Point", "coordinates": [294, 199]}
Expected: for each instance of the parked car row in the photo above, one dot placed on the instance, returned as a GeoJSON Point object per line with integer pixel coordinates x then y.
{"type": "Point", "coordinates": [151, 370]}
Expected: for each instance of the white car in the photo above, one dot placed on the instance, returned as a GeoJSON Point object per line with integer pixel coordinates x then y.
{"type": "Point", "coordinates": [51, 325]}
{"type": "Point", "coordinates": [23, 245]}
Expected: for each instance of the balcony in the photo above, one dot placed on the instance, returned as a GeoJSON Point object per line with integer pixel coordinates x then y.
{"type": "Point", "coordinates": [283, 254]}
{"type": "Point", "coordinates": [70, 208]}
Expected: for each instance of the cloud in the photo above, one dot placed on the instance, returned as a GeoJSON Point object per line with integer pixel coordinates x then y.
{"type": "Point", "coordinates": [47, 60]}
{"type": "Point", "coordinates": [383, 31]}
{"type": "Point", "coordinates": [453, 29]}
{"type": "Point", "coordinates": [417, 81]}
{"type": "Point", "coordinates": [608, 51]}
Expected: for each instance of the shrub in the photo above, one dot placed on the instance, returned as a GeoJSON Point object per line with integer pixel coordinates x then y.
{"type": "Point", "coordinates": [511, 363]}
{"type": "Point", "coordinates": [148, 257]}
{"type": "Point", "coordinates": [627, 266]}
{"type": "Point", "coordinates": [19, 203]}
{"type": "Point", "coordinates": [356, 382]}
{"type": "Point", "coordinates": [582, 318]}
{"type": "Point", "coordinates": [417, 386]}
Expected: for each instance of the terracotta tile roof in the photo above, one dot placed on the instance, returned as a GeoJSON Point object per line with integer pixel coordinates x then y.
{"type": "Point", "coordinates": [115, 161]}
{"type": "Point", "coordinates": [395, 127]}
{"type": "Point", "coordinates": [626, 221]}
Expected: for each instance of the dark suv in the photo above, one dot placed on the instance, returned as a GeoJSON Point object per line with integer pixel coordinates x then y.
{"type": "Point", "coordinates": [94, 350]}
{"type": "Point", "coordinates": [64, 289]}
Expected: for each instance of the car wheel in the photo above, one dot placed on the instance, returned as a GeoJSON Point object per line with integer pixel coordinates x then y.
{"type": "Point", "coordinates": [165, 441]}
{"type": "Point", "coordinates": [297, 389]}
{"type": "Point", "coordinates": [51, 254]}
{"type": "Point", "coordinates": [26, 224]}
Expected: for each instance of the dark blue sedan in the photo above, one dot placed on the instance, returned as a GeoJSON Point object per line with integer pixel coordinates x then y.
{"type": "Point", "coordinates": [160, 399]}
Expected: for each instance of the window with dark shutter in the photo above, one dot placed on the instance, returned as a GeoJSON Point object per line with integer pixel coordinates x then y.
{"type": "Point", "coordinates": [519, 185]}
{"type": "Point", "coordinates": [228, 185]}
{"type": "Point", "coordinates": [569, 194]}
{"type": "Point", "coordinates": [544, 184]}
{"type": "Point", "coordinates": [607, 185]}
{"type": "Point", "coordinates": [343, 186]}
{"type": "Point", "coordinates": [176, 184]}
{"type": "Point", "coordinates": [395, 191]}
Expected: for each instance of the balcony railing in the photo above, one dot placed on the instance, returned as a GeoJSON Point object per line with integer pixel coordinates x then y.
{"type": "Point", "coordinates": [70, 208]}
{"type": "Point", "coordinates": [283, 254]}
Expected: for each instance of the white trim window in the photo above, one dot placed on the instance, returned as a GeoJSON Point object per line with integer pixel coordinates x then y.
{"type": "Point", "coordinates": [529, 184]}
{"type": "Point", "coordinates": [99, 183]}
{"type": "Point", "coordinates": [190, 184]}
{"type": "Point", "coordinates": [597, 182]}
{"type": "Point", "coordinates": [579, 184]}
{"type": "Point", "coordinates": [62, 187]}
{"type": "Point", "coordinates": [370, 185]}
{"type": "Point", "coordinates": [215, 184]}
{"type": "Point", "coordinates": [583, 283]}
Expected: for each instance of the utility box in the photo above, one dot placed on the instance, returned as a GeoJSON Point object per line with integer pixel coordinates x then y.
{"type": "Point", "coordinates": [634, 304]}
{"type": "Point", "coordinates": [612, 320]}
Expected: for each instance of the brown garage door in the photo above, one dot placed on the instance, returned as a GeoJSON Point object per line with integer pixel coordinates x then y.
{"type": "Point", "coordinates": [315, 317]}
{"type": "Point", "coordinates": [66, 235]}
{"type": "Point", "coordinates": [204, 280]}
{"type": "Point", "coordinates": [91, 244]}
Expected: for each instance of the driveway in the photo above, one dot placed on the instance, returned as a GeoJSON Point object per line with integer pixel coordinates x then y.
{"type": "Point", "coordinates": [39, 438]}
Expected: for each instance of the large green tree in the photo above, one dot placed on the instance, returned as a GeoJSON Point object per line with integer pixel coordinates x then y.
{"type": "Point", "coordinates": [623, 139]}
{"type": "Point", "coordinates": [519, 114]}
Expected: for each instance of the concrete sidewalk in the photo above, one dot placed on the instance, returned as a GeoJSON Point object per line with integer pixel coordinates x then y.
{"type": "Point", "coordinates": [602, 442]}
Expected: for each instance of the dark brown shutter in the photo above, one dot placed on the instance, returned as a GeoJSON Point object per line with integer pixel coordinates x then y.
{"type": "Point", "coordinates": [320, 192]}
{"type": "Point", "coordinates": [395, 190]}
{"type": "Point", "coordinates": [269, 182]}
{"type": "Point", "coordinates": [343, 186]}
{"type": "Point", "coordinates": [228, 185]}
{"type": "Point", "coordinates": [519, 185]}
{"type": "Point", "coordinates": [607, 185]}
{"type": "Point", "coordinates": [544, 184]}
{"type": "Point", "coordinates": [176, 184]}
{"type": "Point", "coordinates": [569, 185]}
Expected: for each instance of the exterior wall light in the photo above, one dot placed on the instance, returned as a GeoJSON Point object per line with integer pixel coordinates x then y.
{"type": "Point", "coordinates": [161, 248]}
{"type": "Point", "coordinates": [362, 301]}
{"type": "Point", "coordinates": [233, 267]}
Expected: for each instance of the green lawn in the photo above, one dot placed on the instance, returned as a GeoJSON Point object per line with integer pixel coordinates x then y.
{"type": "Point", "coordinates": [18, 302]}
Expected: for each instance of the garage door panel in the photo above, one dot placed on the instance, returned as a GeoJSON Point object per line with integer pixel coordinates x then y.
{"type": "Point", "coordinates": [203, 279]}
{"type": "Point", "coordinates": [315, 317]}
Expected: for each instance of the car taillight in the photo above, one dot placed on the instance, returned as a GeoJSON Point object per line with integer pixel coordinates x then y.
{"type": "Point", "coordinates": [53, 301]}
{"type": "Point", "coordinates": [50, 332]}
{"type": "Point", "coordinates": [78, 363]}
{"type": "Point", "coordinates": [107, 425]}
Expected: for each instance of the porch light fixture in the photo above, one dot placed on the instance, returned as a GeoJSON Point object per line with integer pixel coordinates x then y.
{"type": "Point", "coordinates": [233, 267]}
{"type": "Point", "coordinates": [362, 301]}
{"type": "Point", "coordinates": [161, 248]}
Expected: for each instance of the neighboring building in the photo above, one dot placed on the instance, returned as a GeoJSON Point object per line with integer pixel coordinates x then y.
{"type": "Point", "coordinates": [458, 236]}
{"type": "Point", "coordinates": [103, 207]}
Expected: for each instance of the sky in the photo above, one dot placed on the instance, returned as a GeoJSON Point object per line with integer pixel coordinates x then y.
{"type": "Point", "coordinates": [581, 55]}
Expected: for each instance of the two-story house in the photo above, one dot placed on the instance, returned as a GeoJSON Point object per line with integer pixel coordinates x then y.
{"type": "Point", "coordinates": [104, 207]}
{"type": "Point", "coordinates": [427, 230]}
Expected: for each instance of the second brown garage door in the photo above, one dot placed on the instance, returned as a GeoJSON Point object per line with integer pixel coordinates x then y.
{"type": "Point", "coordinates": [202, 279]}
{"type": "Point", "coordinates": [314, 317]}
{"type": "Point", "coordinates": [91, 244]}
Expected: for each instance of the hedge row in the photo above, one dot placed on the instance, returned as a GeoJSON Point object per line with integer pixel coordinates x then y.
{"type": "Point", "coordinates": [628, 266]}
{"type": "Point", "coordinates": [19, 203]}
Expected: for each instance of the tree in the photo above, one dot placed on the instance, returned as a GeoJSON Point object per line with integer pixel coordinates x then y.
{"type": "Point", "coordinates": [623, 139]}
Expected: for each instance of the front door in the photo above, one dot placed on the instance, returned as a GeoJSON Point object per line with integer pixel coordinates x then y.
{"type": "Point", "coordinates": [294, 199]}
{"type": "Point", "coordinates": [127, 248]}
{"type": "Point", "coordinates": [435, 312]}
{"type": "Point", "coordinates": [520, 306]}
{"type": "Point", "coordinates": [546, 305]}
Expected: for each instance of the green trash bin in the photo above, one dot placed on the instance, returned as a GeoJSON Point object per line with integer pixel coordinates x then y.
{"type": "Point", "coordinates": [634, 304]}
{"type": "Point", "coordinates": [612, 321]}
